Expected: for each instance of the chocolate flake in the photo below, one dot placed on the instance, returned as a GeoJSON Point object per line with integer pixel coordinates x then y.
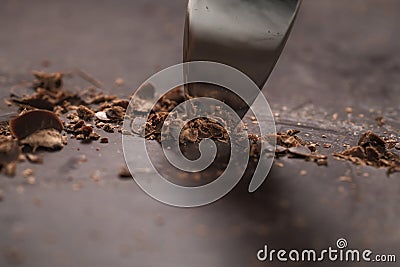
{"type": "Point", "coordinates": [371, 150]}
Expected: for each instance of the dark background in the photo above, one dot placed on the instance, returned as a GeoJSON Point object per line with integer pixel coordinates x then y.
{"type": "Point", "coordinates": [340, 53]}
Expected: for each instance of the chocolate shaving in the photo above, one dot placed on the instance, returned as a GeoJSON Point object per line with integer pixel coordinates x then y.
{"type": "Point", "coordinates": [371, 151]}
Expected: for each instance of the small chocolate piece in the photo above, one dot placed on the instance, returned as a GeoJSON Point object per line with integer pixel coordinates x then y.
{"type": "Point", "coordinates": [33, 158]}
{"type": "Point", "coordinates": [380, 121]}
{"type": "Point", "coordinates": [354, 152]}
{"type": "Point", "coordinates": [33, 121]}
{"type": "Point", "coordinates": [372, 153]}
{"type": "Point", "coordinates": [85, 113]}
{"type": "Point", "coordinates": [48, 81]}
{"type": "Point", "coordinates": [104, 140]}
{"type": "Point", "coordinates": [9, 151]}
{"type": "Point", "coordinates": [108, 128]}
{"type": "Point", "coordinates": [124, 173]}
{"type": "Point", "coordinates": [371, 150]}
{"type": "Point", "coordinates": [327, 145]}
{"type": "Point", "coordinates": [371, 139]}
{"type": "Point", "coordinates": [86, 131]}
{"type": "Point", "coordinates": [115, 113]}
{"type": "Point", "coordinates": [299, 151]}
{"type": "Point", "coordinates": [189, 134]}
{"type": "Point", "coordinates": [312, 147]}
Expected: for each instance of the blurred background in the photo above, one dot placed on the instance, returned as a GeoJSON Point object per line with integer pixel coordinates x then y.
{"type": "Point", "coordinates": [340, 54]}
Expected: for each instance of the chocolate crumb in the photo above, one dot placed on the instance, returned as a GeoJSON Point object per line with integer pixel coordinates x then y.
{"type": "Point", "coordinates": [30, 122]}
{"type": "Point", "coordinates": [380, 121]}
{"type": "Point", "coordinates": [34, 158]}
{"type": "Point", "coordinates": [104, 140]}
{"type": "Point", "coordinates": [371, 151]}
{"type": "Point", "coordinates": [124, 172]}
{"type": "Point", "coordinates": [85, 113]}
{"type": "Point", "coordinates": [303, 172]}
{"type": "Point", "coordinates": [28, 172]}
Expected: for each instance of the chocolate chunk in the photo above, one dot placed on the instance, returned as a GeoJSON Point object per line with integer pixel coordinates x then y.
{"type": "Point", "coordinates": [299, 151]}
{"type": "Point", "coordinates": [104, 140]}
{"type": "Point", "coordinates": [371, 150]}
{"type": "Point", "coordinates": [85, 113]}
{"type": "Point", "coordinates": [48, 81]}
{"type": "Point", "coordinates": [115, 113]}
{"type": "Point", "coordinates": [33, 121]}
{"type": "Point", "coordinates": [372, 153]}
{"type": "Point", "coordinates": [189, 135]}
{"type": "Point", "coordinates": [371, 139]}
{"type": "Point", "coordinates": [354, 152]}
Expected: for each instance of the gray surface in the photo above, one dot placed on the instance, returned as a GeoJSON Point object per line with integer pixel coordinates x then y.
{"type": "Point", "coordinates": [340, 53]}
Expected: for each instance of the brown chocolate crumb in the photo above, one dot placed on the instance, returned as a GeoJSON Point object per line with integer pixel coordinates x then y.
{"type": "Point", "coordinates": [32, 121]}
{"type": "Point", "coordinates": [104, 140]}
{"type": "Point", "coordinates": [327, 145]}
{"type": "Point", "coordinates": [312, 147]}
{"type": "Point", "coordinates": [303, 172]}
{"type": "Point", "coordinates": [124, 172]}
{"type": "Point", "coordinates": [290, 144]}
{"type": "Point", "coordinates": [115, 113]}
{"type": "Point", "coordinates": [371, 150]}
{"type": "Point", "coordinates": [85, 113]}
{"type": "Point", "coordinates": [86, 131]}
{"type": "Point", "coordinates": [28, 172]}
{"type": "Point", "coordinates": [48, 81]}
{"type": "Point", "coordinates": [34, 158]}
{"type": "Point", "coordinates": [380, 121]}
{"type": "Point", "coordinates": [107, 127]}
